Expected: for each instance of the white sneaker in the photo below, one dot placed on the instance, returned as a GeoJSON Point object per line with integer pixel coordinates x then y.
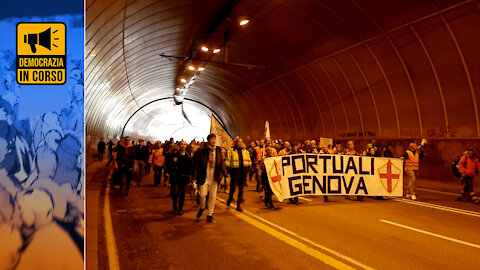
{"type": "Point", "coordinates": [414, 197]}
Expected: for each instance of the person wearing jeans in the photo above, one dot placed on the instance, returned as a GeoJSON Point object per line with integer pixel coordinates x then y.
{"type": "Point", "coordinates": [412, 158]}
{"type": "Point", "coordinates": [208, 168]}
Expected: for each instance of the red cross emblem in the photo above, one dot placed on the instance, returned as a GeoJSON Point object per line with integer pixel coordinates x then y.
{"type": "Point", "coordinates": [389, 176]}
{"type": "Point", "coordinates": [277, 177]}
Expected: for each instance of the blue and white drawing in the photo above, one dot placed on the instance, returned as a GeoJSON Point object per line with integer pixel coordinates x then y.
{"type": "Point", "coordinates": [41, 160]}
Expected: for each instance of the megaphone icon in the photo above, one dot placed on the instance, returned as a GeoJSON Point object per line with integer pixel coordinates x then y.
{"type": "Point", "coordinates": [42, 39]}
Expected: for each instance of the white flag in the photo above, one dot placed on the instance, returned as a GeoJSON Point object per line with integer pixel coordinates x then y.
{"type": "Point", "coordinates": [267, 130]}
{"type": "Point", "coordinates": [223, 139]}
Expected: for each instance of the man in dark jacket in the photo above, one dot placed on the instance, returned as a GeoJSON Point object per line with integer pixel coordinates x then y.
{"type": "Point", "coordinates": [125, 160]}
{"type": "Point", "coordinates": [209, 166]}
{"type": "Point", "coordinates": [101, 149]}
{"type": "Point", "coordinates": [238, 163]}
{"type": "Point", "coordinates": [141, 158]}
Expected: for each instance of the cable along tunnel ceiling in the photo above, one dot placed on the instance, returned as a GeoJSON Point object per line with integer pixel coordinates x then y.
{"type": "Point", "coordinates": [375, 68]}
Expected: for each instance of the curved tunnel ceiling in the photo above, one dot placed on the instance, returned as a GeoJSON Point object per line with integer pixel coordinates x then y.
{"type": "Point", "coordinates": [371, 68]}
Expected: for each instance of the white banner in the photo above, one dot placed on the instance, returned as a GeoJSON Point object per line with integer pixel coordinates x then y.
{"type": "Point", "coordinates": [326, 141]}
{"type": "Point", "coordinates": [267, 130]}
{"type": "Point", "coordinates": [223, 139]}
{"type": "Point", "coordinates": [314, 174]}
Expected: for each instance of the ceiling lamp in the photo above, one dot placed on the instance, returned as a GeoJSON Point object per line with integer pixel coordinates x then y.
{"type": "Point", "coordinates": [201, 69]}
{"type": "Point", "coordinates": [183, 80]}
{"type": "Point", "coordinates": [244, 22]}
{"type": "Point", "coordinates": [205, 49]}
{"type": "Point", "coordinates": [192, 68]}
{"type": "Point", "coordinates": [216, 51]}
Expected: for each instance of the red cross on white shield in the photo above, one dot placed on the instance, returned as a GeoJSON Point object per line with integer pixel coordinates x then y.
{"type": "Point", "coordinates": [388, 176]}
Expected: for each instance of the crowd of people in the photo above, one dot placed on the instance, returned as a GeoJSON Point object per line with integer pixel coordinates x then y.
{"type": "Point", "coordinates": [206, 166]}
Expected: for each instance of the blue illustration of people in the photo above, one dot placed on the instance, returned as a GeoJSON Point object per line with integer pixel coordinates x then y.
{"type": "Point", "coordinates": [41, 177]}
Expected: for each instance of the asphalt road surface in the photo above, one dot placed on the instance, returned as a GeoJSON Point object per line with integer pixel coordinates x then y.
{"type": "Point", "coordinates": [435, 232]}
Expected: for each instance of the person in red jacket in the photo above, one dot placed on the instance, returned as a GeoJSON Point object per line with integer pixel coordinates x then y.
{"type": "Point", "coordinates": [469, 167]}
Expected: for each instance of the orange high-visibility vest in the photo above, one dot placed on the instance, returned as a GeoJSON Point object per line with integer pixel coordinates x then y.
{"type": "Point", "coordinates": [157, 158]}
{"type": "Point", "coordinates": [411, 164]}
{"type": "Point", "coordinates": [114, 157]}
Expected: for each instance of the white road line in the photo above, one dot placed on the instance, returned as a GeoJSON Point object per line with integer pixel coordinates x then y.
{"type": "Point", "coordinates": [439, 192]}
{"type": "Point", "coordinates": [344, 257]}
{"type": "Point", "coordinates": [431, 234]}
{"type": "Point", "coordinates": [441, 207]}
{"type": "Point", "coordinates": [109, 235]}
{"type": "Point", "coordinates": [305, 199]}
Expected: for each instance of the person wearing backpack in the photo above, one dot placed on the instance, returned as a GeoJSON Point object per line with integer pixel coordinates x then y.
{"type": "Point", "coordinates": [469, 167]}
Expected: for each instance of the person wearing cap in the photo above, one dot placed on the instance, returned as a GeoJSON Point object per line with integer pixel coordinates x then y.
{"type": "Point", "coordinates": [469, 167]}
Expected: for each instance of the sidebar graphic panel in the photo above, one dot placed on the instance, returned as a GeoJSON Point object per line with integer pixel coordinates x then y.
{"type": "Point", "coordinates": [42, 186]}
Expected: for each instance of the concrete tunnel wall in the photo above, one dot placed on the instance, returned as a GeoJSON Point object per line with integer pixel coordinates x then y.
{"type": "Point", "coordinates": [390, 70]}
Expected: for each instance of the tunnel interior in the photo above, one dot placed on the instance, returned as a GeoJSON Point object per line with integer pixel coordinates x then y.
{"type": "Point", "coordinates": [385, 69]}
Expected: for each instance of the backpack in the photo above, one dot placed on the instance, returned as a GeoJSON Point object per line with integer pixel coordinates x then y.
{"type": "Point", "coordinates": [455, 170]}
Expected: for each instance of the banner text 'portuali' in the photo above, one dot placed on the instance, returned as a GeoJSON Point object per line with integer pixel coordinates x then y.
{"type": "Point", "coordinates": [314, 174]}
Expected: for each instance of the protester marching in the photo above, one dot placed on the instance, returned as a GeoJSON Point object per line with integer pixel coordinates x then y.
{"type": "Point", "coordinates": [284, 169]}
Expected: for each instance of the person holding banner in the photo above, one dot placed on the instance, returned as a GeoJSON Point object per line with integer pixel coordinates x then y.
{"type": "Point", "coordinates": [338, 149]}
{"type": "Point", "coordinates": [257, 164]}
{"type": "Point", "coordinates": [412, 158]}
{"type": "Point", "coordinates": [239, 164]}
{"type": "Point", "coordinates": [208, 169]}
{"type": "Point", "coordinates": [350, 150]}
{"type": "Point", "coordinates": [269, 144]}
{"type": "Point", "coordinates": [268, 190]}
{"type": "Point", "coordinates": [287, 149]}
{"type": "Point", "coordinates": [295, 150]}
{"type": "Point", "coordinates": [308, 148]}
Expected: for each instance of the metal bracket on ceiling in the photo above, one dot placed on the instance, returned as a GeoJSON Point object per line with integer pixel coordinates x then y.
{"type": "Point", "coordinates": [185, 58]}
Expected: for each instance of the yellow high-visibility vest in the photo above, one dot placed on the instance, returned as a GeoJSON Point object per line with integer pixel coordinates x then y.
{"type": "Point", "coordinates": [411, 164]}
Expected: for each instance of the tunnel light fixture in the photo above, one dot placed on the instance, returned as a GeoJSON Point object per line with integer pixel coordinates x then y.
{"type": "Point", "coordinates": [216, 51]}
{"type": "Point", "coordinates": [244, 22]}
{"type": "Point", "coordinates": [192, 68]}
{"type": "Point", "coordinates": [183, 80]}
{"type": "Point", "coordinates": [201, 69]}
{"type": "Point", "coordinates": [178, 88]}
{"type": "Point", "coordinates": [204, 48]}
